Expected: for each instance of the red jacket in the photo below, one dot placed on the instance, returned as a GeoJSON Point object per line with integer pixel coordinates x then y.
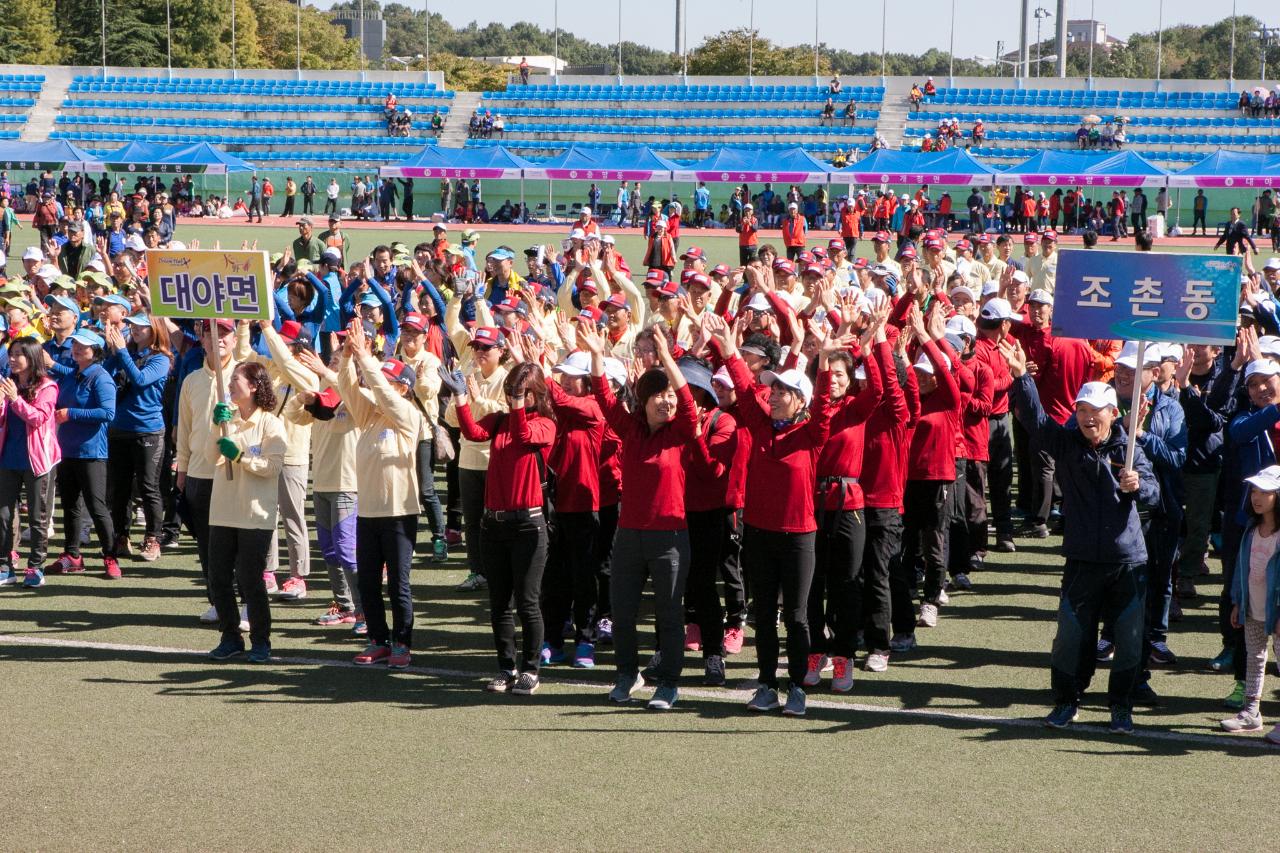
{"type": "Point", "coordinates": [514, 480]}
{"type": "Point", "coordinates": [1064, 364]}
{"type": "Point", "coordinates": [575, 456]}
{"type": "Point", "coordinates": [793, 230]}
{"type": "Point", "coordinates": [933, 442]}
{"type": "Point", "coordinates": [747, 231]}
{"type": "Point", "coordinates": [610, 468]}
{"type": "Point", "coordinates": [711, 460]}
{"type": "Point", "coordinates": [973, 420]}
{"type": "Point", "coordinates": [783, 467]}
{"type": "Point", "coordinates": [850, 222]}
{"type": "Point", "coordinates": [842, 455]}
{"type": "Point", "coordinates": [652, 462]}
{"type": "Point", "coordinates": [989, 352]}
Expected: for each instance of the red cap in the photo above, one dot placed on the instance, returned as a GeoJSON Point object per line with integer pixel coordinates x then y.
{"type": "Point", "coordinates": [783, 265]}
{"type": "Point", "coordinates": [907, 251]}
{"type": "Point", "coordinates": [815, 269]}
{"type": "Point", "coordinates": [328, 398]}
{"type": "Point", "coordinates": [935, 243]}
{"type": "Point", "coordinates": [655, 278]}
{"type": "Point", "coordinates": [860, 263]}
{"type": "Point", "coordinates": [805, 257]}
{"type": "Point", "coordinates": [685, 275]}
{"type": "Point", "coordinates": [289, 331]}
{"type": "Point", "coordinates": [227, 325]}
{"type": "Point", "coordinates": [589, 286]}
{"type": "Point", "coordinates": [615, 300]}
{"type": "Point", "coordinates": [669, 290]}
{"type": "Point", "coordinates": [487, 336]}
{"type": "Point", "coordinates": [720, 269]}
{"type": "Point", "coordinates": [1030, 237]}
{"type": "Point", "coordinates": [397, 371]}
{"type": "Point", "coordinates": [1050, 236]}
{"type": "Point", "coordinates": [414, 320]}
{"type": "Point", "coordinates": [985, 240]}
{"type": "Point", "coordinates": [511, 303]}
{"type": "Point", "coordinates": [835, 244]}
{"type": "Point", "coordinates": [880, 237]}
{"type": "Point", "coordinates": [964, 246]}
{"type": "Point", "coordinates": [698, 279]}
{"type": "Point", "coordinates": [591, 314]}
{"type": "Point", "coordinates": [693, 253]}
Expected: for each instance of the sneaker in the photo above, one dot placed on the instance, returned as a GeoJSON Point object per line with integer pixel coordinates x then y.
{"type": "Point", "coordinates": [764, 699]}
{"type": "Point", "coordinates": [813, 675]}
{"type": "Point", "coordinates": [1162, 654]}
{"type": "Point", "coordinates": [335, 615]}
{"type": "Point", "coordinates": [1106, 650]}
{"type": "Point", "coordinates": [796, 702]}
{"type": "Point", "coordinates": [150, 550]}
{"type": "Point", "coordinates": [123, 547]}
{"type": "Point", "coordinates": [604, 632]}
{"type": "Point", "coordinates": [713, 671]}
{"type": "Point", "coordinates": [1186, 589]}
{"type": "Point", "coordinates": [877, 661]}
{"type": "Point", "coordinates": [733, 639]}
{"type": "Point", "coordinates": [961, 583]}
{"type": "Point", "coordinates": [692, 638]}
{"type": "Point", "coordinates": [1175, 609]}
{"type": "Point", "coordinates": [841, 675]}
{"type": "Point", "coordinates": [502, 683]}
{"type": "Point", "coordinates": [1121, 721]}
{"type": "Point", "coordinates": [8, 577]}
{"type": "Point", "coordinates": [650, 671]}
{"type": "Point", "coordinates": [260, 653]}
{"type": "Point", "coordinates": [1273, 736]}
{"type": "Point", "coordinates": [1224, 662]}
{"type": "Point", "coordinates": [526, 684]}
{"type": "Point", "coordinates": [361, 627]}
{"type": "Point", "coordinates": [1006, 546]}
{"type": "Point", "coordinates": [943, 598]}
{"type": "Point", "coordinates": [1144, 695]}
{"type": "Point", "coordinates": [664, 699]}
{"type": "Point", "coordinates": [210, 616]}
{"type": "Point", "coordinates": [244, 619]}
{"type": "Point", "coordinates": [67, 564]}
{"type": "Point", "coordinates": [624, 687]}
{"type": "Point", "coordinates": [229, 648]}
{"type": "Point", "coordinates": [453, 537]}
{"type": "Point", "coordinates": [1235, 701]}
{"type": "Point", "coordinates": [373, 653]}
{"type": "Point", "coordinates": [112, 567]}
{"type": "Point", "coordinates": [294, 589]}
{"type": "Point", "coordinates": [1062, 716]}
{"type": "Point", "coordinates": [169, 538]}
{"type": "Point", "coordinates": [902, 642]}
{"type": "Point", "coordinates": [928, 616]}
{"type": "Point", "coordinates": [1037, 531]}
{"type": "Point", "coordinates": [584, 656]}
{"type": "Point", "coordinates": [33, 578]}
{"type": "Point", "coordinates": [551, 655]}
{"type": "Point", "coordinates": [1245, 721]}
{"type": "Point", "coordinates": [439, 550]}
{"type": "Point", "coordinates": [269, 581]}
{"type": "Point", "coordinates": [472, 582]}
{"type": "Point", "coordinates": [399, 657]}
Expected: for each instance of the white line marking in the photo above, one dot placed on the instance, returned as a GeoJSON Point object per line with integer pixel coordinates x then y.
{"type": "Point", "coordinates": [1216, 741]}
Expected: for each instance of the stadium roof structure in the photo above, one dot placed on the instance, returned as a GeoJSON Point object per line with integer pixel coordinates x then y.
{"type": "Point", "coordinates": [1119, 169]}
{"type": "Point", "coordinates": [955, 166]}
{"type": "Point", "coordinates": [436, 162]}
{"type": "Point", "coordinates": [56, 155]}
{"type": "Point", "coordinates": [613, 163]}
{"type": "Point", "coordinates": [1228, 169]}
{"type": "Point", "coordinates": [207, 159]}
{"type": "Point", "coordinates": [731, 165]}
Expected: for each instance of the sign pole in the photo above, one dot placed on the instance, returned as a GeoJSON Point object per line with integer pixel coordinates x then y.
{"type": "Point", "coordinates": [1135, 403]}
{"type": "Point", "coordinates": [222, 384]}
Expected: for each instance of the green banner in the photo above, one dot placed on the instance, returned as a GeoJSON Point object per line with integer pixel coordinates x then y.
{"type": "Point", "coordinates": [158, 168]}
{"type": "Point", "coordinates": [235, 285]}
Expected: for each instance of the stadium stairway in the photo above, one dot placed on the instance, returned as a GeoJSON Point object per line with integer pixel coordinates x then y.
{"type": "Point", "coordinates": [57, 80]}
{"type": "Point", "coordinates": [893, 111]}
{"type": "Point", "coordinates": [460, 113]}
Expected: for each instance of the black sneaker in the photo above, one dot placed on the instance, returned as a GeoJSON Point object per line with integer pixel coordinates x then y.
{"type": "Point", "coordinates": [1106, 650]}
{"type": "Point", "coordinates": [1121, 721]}
{"type": "Point", "coordinates": [1062, 716]}
{"type": "Point", "coordinates": [650, 672]}
{"type": "Point", "coordinates": [1145, 696]}
{"type": "Point", "coordinates": [169, 538]}
{"type": "Point", "coordinates": [502, 683]}
{"type": "Point", "coordinates": [526, 684]}
{"type": "Point", "coordinates": [713, 675]}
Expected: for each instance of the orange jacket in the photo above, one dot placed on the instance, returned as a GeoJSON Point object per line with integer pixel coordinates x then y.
{"type": "Point", "coordinates": [793, 230]}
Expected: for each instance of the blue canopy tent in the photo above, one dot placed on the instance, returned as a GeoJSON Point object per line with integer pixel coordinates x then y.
{"type": "Point", "coordinates": [603, 163]}
{"type": "Point", "coordinates": [1119, 169]}
{"type": "Point", "coordinates": [205, 158]}
{"type": "Point", "coordinates": [1230, 169]}
{"type": "Point", "coordinates": [733, 165]}
{"type": "Point", "coordinates": [55, 155]}
{"type": "Point", "coordinates": [953, 167]}
{"type": "Point", "coordinates": [140, 156]}
{"type": "Point", "coordinates": [460, 163]}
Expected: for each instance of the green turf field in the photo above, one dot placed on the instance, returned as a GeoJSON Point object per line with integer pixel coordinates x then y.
{"type": "Point", "coordinates": [123, 736]}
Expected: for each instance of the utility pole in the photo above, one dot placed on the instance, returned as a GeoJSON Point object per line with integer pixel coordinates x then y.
{"type": "Point", "coordinates": [1024, 55]}
{"type": "Point", "coordinates": [1062, 38]}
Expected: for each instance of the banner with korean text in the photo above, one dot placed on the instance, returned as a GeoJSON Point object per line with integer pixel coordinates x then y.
{"type": "Point", "coordinates": [235, 285]}
{"type": "Point", "coordinates": [1147, 296]}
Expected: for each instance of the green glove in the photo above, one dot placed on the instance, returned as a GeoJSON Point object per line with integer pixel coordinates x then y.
{"type": "Point", "coordinates": [223, 413]}
{"type": "Point", "coordinates": [228, 448]}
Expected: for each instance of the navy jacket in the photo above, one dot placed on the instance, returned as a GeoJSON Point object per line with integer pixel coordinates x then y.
{"type": "Point", "coordinates": [90, 400]}
{"type": "Point", "coordinates": [1165, 443]}
{"type": "Point", "coordinates": [1250, 434]}
{"type": "Point", "coordinates": [140, 378]}
{"type": "Point", "coordinates": [1100, 523]}
{"type": "Point", "coordinates": [1204, 424]}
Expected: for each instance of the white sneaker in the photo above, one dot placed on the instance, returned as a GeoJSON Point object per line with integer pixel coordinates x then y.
{"type": "Point", "coordinates": [210, 616]}
{"type": "Point", "coordinates": [928, 616]}
{"type": "Point", "coordinates": [877, 661]}
{"type": "Point", "coordinates": [244, 619]}
{"type": "Point", "coordinates": [943, 598]}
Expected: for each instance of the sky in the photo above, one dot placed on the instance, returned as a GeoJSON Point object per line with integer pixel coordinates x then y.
{"type": "Point", "coordinates": [852, 25]}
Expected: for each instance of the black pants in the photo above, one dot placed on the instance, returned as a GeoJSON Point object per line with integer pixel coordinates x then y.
{"type": "Point", "coordinates": [780, 561]}
{"type": "Point", "coordinates": [602, 559]}
{"type": "Point", "coordinates": [569, 584]}
{"type": "Point", "coordinates": [453, 494]}
{"type": "Point", "coordinates": [851, 247]}
{"type": "Point", "coordinates": [386, 541]}
{"type": "Point", "coordinates": [927, 511]}
{"type": "Point", "coordinates": [1000, 475]}
{"type": "Point", "coordinates": [170, 497]}
{"type": "Point", "coordinates": [1022, 461]}
{"type": "Point", "coordinates": [975, 486]}
{"type": "Point", "coordinates": [735, 589]}
{"type": "Point", "coordinates": [288, 205]}
{"type": "Point", "coordinates": [471, 487]}
{"type": "Point", "coordinates": [835, 596]}
{"type": "Point", "coordinates": [39, 506]}
{"type": "Point", "coordinates": [881, 552]}
{"type": "Point", "coordinates": [198, 491]}
{"type": "Point", "coordinates": [87, 479]}
{"type": "Point", "coordinates": [793, 252]}
{"type": "Point", "coordinates": [958, 549]}
{"type": "Point", "coordinates": [135, 459]}
{"type": "Point", "coordinates": [257, 207]}
{"type": "Point", "coordinates": [1043, 469]}
{"type": "Point", "coordinates": [514, 556]}
{"type": "Point", "coordinates": [1198, 219]}
{"type": "Point", "coordinates": [1094, 592]}
{"type": "Point", "coordinates": [308, 204]}
{"type": "Point", "coordinates": [708, 530]}
{"type": "Point", "coordinates": [330, 205]}
{"type": "Point", "coordinates": [238, 556]}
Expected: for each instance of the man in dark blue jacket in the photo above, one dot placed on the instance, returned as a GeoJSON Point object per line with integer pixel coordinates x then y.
{"type": "Point", "coordinates": [1106, 556]}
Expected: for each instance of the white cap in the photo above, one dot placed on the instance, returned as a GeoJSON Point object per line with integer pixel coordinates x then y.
{"type": "Point", "coordinates": [990, 288]}
{"type": "Point", "coordinates": [758, 302]}
{"type": "Point", "coordinates": [1100, 395]}
{"type": "Point", "coordinates": [33, 254]}
{"type": "Point", "coordinates": [177, 245]}
{"type": "Point", "coordinates": [615, 371]}
{"type": "Point", "coordinates": [1269, 345]}
{"type": "Point", "coordinates": [1019, 277]}
{"type": "Point", "coordinates": [331, 254]}
{"type": "Point", "coordinates": [1273, 264]}
{"type": "Point", "coordinates": [722, 377]}
{"type": "Point", "coordinates": [608, 240]}
{"type": "Point", "coordinates": [999, 309]}
{"type": "Point", "coordinates": [1173, 352]}
{"type": "Point", "coordinates": [1261, 367]}
{"type": "Point", "coordinates": [585, 210]}
{"type": "Point", "coordinates": [577, 234]}
{"type": "Point", "coordinates": [924, 365]}
{"type": "Point", "coordinates": [97, 265]}
{"type": "Point", "coordinates": [875, 297]}
{"type": "Point", "coordinates": [1268, 479]}
{"type": "Point", "coordinates": [1129, 355]}
{"type": "Point", "coordinates": [577, 364]}
{"type": "Point", "coordinates": [1041, 296]}
{"type": "Point", "coordinates": [134, 242]}
{"type": "Point", "coordinates": [793, 206]}
{"type": "Point", "coordinates": [793, 379]}
{"type": "Point", "coordinates": [961, 325]}
{"type": "Point", "coordinates": [963, 290]}
{"type": "Point", "coordinates": [48, 272]}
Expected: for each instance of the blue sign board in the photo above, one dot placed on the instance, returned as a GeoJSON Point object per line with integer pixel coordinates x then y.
{"type": "Point", "coordinates": [1149, 296]}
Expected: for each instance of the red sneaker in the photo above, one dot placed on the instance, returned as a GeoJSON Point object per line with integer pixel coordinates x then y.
{"type": "Point", "coordinates": [733, 639]}
{"type": "Point", "coordinates": [113, 568]}
{"type": "Point", "coordinates": [399, 657]}
{"type": "Point", "coordinates": [294, 589]}
{"type": "Point", "coordinates": [67, 565]}
{"type": "Point", "coordinates": [453, 537]}
{"type": "Point", "coordinates": [269, 580]}
{"type": "Point", "coordinates": [372, 654]}
{"type": "Point", "coordinates": [692, 638]}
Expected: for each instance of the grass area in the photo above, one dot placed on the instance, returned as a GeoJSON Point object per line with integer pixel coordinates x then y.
{"type": "Point", "coordinates": [157, 746]}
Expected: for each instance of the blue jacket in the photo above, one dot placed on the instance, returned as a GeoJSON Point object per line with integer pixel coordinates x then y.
{"type": "Point", "coordinates": [1251, 441]}
{"type": "Point", "coordinates": [1165, 443]}
{"type": "Point", "coordinates": [90, 400]}
{"type": "Point", "coordinates": [1204, 423]}
{"type": "Point", "coordinates": [140, 378]}
{"type": "Point", "coordinates": [1240, 583]}
{"type": "Point", "coordinates": [63, 363]}
{"type": "Point", "coordinates": [1100, 523]}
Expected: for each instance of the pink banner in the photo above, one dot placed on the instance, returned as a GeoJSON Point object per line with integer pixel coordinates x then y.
{"type": "Point", "coordinates": [421, 172]}
{"type": "Point", "coordinates": [1088, 180]}
{"type": "Point", "coordinates": [911, 178]}
{"type": "Point", "coordinates": [605, 175]}
{"type": "Point", "coordinates": [763, 177]}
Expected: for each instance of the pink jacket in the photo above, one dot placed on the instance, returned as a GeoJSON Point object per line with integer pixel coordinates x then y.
{"type": "Point", "coordinates": [42, 430]}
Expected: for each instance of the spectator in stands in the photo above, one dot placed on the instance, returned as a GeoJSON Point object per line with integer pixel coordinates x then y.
{"type": "Point", "coordinates": [915, 97]}
{"type": "Point", "coordinates": [850, 113]}
{"type": "Point", "coordinates": [499, 125]}
{"type": "Point", "coordinates": [437, 123]}
{"type": "Point", "coordinates": [828, 112]}
{"type": "Point", "coordinates": [389, 105]}
{"type": "Point", "coordinates": [979, 133]}
{"type": "Point", "coordinates": [524, 71]}
{"type": "Point", "coordinates": [834, 87]}
{"type": "Point", "coordinates": [1244, 103]}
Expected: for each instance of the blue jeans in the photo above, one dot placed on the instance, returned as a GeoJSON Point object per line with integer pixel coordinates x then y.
{"type": "Point", "coordinates": [1091, 592]}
